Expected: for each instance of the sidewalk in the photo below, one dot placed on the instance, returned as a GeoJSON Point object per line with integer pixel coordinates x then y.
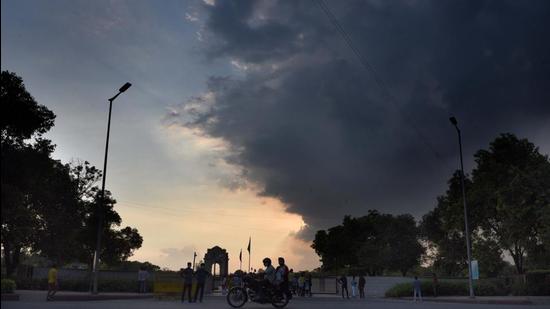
{"type": "Point", "coordinates": [499, 300]}
{"type": "Point", "coordinates": [33, 295]}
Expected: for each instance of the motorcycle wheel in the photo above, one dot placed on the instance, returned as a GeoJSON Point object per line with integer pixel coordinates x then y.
{"type": "Point", "coordinates": [280, 300]}
{"type": "Point", "coordinates": [237, 297]}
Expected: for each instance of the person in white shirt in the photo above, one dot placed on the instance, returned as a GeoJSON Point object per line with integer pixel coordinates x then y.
{"type": "Point", "coordinates": [143, 275]}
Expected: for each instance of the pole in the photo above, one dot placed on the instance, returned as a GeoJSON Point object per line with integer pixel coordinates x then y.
{"type": "Point", "coordinates": [95, 271]}
{"type": "Point", "coordinates": [194, 256]}
{"type": "Point", "coordinates": [468, 249]}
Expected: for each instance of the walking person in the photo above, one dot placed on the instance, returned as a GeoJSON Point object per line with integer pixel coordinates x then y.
{"type": "Point", "coordinates": [201, 274]}
{"type": "Point", "coordinates": [362, 283]}
{"type": "Point", "coordinates": [187, 276]}
{"type": "Point", "coordinates": [353, 286]}
{"type": "Point", "coordinates": [52, 282]}
{"type": "Point", "coordinates": [417, 289]}
{"type": "Point", "coordinates": [344, 284]}
{"type": "Point", "coordinates": [143, 275]}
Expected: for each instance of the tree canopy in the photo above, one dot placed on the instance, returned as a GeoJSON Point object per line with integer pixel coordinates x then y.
{"type": "Point", "coordinates": [371, 244]}
{"type": "Point", "coordinates": [50, 208]}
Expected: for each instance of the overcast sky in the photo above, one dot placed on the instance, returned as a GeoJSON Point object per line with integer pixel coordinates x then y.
{"type": "Point", "coordinates": [256, 118]}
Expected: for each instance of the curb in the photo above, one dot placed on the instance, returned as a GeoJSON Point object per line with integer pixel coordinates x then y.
{"type": "Point", "coordinates": [91, 297]}
{"type": "Point", "coordinates": [10, 297]}
{"type": "Point", "coordinates": [476, 301]}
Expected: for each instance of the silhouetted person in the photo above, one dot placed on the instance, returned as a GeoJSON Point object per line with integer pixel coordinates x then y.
{"type": "Point", "coordinates": [309, 285]}
{"type": "Point", "coordinates": [187, 275]}
{"type": "Point", "coordinates": [142, 279]}
{"type": "Point", "coordinates": [435, 283]}
{"type": "Point", "coordinates": [353, 286]}
{"type": "Point", "coordinates": [281, 277]}
{"type": "Point", "coordinates": [417, 289]}
{"type": "Point", "coordinates": [362, 283]}
{"type": "Point", "coordinates": [344, 283]}
{"type": "Point", "coordinates": [201, 275]}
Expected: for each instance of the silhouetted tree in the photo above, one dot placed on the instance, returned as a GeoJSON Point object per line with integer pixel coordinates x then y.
{"type": "Point", "coordinates": [49, 208]}
{"type": "Point", "coordinates": [512, 186]}
{"type": "Point", "coordinates": [24, 155]}
{"type": "Point", "coordinates": [372, 243]}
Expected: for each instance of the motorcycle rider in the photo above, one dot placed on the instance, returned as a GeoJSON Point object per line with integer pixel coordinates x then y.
{"type": "Point", "coordinates": [282, 277]}
{"type": "Point", "coordinates": [268, 280]}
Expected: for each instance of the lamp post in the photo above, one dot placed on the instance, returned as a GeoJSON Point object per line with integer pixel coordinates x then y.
{"type": "Point", "coordinates": [468, 248]}
{"type": "Point", "coordinates": [95, 269]}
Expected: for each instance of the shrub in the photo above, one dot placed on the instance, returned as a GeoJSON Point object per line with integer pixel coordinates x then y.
{"type": "Point", "coordinates": [519, 288]}
{"type": "Point", "coordinates": [451, 288]}
{"type": "Point", "coordinates": [8, 286]}
{"type": "Point", "coordinates": [538, 282]}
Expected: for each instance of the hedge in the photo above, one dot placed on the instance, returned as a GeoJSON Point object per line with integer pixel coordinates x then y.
{"type": "Point", "coordinates": [104, 285]}
{"type": "Point", "coordinates": [536, 283]}
{"type": "Point", "coordinates": [451, 288]}
{"type": "Point", "coordinates": [8, 286]}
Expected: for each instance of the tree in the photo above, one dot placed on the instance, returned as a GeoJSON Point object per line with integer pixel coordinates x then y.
{"type": "Point", "coordinates": [489, 256]}
{"type": "Point", "coordinates": [49, 208]}
{"type": "Point", "coordinates": [24, 154]}
{"type": "Point", "coordinates": [372, 243]}
{"type": "Point", "coordinates": [443, 228]}
{"type": "Point", "coordinates": [117, 244]}
{"type": "Point", "coordinates": [512, 186]}
{"type": "Point", "coordinates": [22, 117]}
{"type": "Point", "coordinates": [508, 204]}
{"type": "Point", "coordinates": [404, 248]}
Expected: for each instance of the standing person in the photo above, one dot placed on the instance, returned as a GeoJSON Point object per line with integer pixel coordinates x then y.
{"type": "Point", "coordinates": [310, 284]}
{"type": "Point", "coordinates": [143, 275]}
{"type": "Point", "coordinates": [187, 276]}
{"type": "Point", "coordinates": [307, 287]}
{"type": "Point", "coordinates": [281, 276]}
{"type": "Point", "coordinates": [353, 286]}
{"type": "Point", "coordinates": [344, 283]}
{"type": "Point", "coordinates": [295, 284]}
{"type": "Point", "coordinates": [301, 284]}
{"type": "Point", "coordinates": [201, 275]}
{"type": "Point", "coordinates": [362, 283]}
{"type": "Point", "coordinates": [435, 282]}
{"type": "Point", "coordinates": [417, 290]}
{"type": "Point", "coordinates": [52, 282]}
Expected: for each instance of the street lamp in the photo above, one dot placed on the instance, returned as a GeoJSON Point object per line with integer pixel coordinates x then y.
{"type": "Point", "coordinates": [95, 270]}
{"type": "Point", "coordinates": [468, 248]}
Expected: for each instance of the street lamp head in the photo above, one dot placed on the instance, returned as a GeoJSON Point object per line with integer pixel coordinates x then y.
{"type": "Point", "coordinates": [125, 87]}
{"type": "Point", "coordinates": [453, 121]}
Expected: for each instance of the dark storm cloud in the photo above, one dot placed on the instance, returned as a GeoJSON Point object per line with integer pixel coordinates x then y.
{"type": "Point", "coordinates": [311, 127]}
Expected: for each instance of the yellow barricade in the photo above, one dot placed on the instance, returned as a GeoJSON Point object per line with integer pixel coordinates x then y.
{"type": "Point", "coordinates": [171, 288]}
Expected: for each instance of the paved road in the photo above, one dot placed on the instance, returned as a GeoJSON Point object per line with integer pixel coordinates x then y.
{"type": "Point", "coordinates": [219, 302]}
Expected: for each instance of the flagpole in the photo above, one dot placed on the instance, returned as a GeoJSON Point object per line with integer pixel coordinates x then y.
{"type": "Point", "coordinates": [194, 256]}
{"type": "Point", "coordinates": [249, 253]}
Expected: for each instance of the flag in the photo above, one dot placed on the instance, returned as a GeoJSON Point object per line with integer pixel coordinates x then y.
{"type": "Point", "coordinates": [249, 241]}
{"type": "Point", "coordinates": [241, 255]}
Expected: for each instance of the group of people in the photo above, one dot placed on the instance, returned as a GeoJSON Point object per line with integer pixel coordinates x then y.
{"type": "Point", "coordinates": [357, 286]}
{"type": "Point", "coordinates": [301, 285]}
{"type": "Point", "coordinates": [187, 276]}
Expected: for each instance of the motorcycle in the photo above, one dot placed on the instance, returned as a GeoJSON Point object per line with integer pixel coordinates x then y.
{"type": "Point", "coordinates": [250, 290]}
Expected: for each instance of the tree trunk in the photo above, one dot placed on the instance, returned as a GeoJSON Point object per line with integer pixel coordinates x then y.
{"type": "Point", "coordinates": [517, 256]}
